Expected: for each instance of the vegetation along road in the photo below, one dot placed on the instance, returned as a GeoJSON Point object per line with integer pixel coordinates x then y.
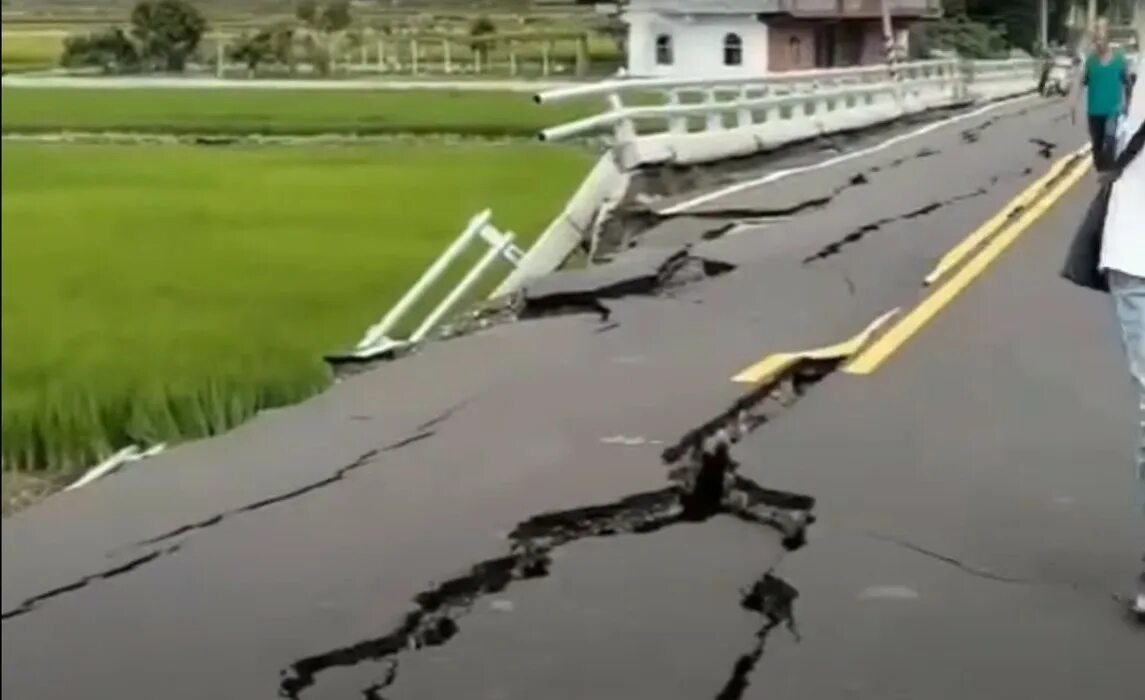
{"type": "Point", "coordinates": [190, 287]}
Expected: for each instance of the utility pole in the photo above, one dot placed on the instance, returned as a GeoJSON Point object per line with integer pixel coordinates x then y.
{"type": "Point", "coordinates": [888, 34]}
{"type": "Point", "coordinates": [1044, 24]}
{"type": "Point", "coordinates": [1091, 16]}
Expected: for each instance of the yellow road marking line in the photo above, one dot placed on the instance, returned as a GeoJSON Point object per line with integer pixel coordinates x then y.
{"type": "Point", "coordinates": [959, 252]}
{"type": "Point", "coordinates": [877, 352]}
{"type": "Point", "coordinates": [772, 366]}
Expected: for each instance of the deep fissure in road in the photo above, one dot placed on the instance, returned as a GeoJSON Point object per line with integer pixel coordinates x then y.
{"type": "Point", "coordinates": [774, 599]}
{"type": "Point", "coordinates": [703, 484]}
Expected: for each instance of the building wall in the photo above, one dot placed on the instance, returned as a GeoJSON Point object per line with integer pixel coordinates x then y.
{"type": "Point", "coordinates": [810, 44]}
{"type": "Point", "coordinates": [697, 44]}
{"type": "Point", "coordinates": [781, 45]}
{"type": "Point", "coordinates": [792, 46]}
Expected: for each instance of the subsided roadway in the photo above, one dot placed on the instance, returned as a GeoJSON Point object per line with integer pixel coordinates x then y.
{"type": "Point", "coordinates": [973, 497]}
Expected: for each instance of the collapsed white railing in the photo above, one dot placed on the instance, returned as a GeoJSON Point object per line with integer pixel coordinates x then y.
{"type": "Point", "coordinates": [377, 341]}
{"type": "Point", "coordinates": [659, 120]}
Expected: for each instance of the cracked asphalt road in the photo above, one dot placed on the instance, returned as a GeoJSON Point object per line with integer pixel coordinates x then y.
{"type": "Point", "coordinates": [501, 515]}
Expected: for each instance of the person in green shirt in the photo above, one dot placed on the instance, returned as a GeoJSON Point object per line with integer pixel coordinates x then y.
{"type": "Point", "coordinates": [1106, 79]}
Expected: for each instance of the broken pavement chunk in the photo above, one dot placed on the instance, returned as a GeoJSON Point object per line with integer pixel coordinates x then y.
{"type": "Point", "coordinates": [643, 270]}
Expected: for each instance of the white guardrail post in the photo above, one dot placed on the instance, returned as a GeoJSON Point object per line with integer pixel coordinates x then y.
{"type": "Point", "coordinates": [377, 340]}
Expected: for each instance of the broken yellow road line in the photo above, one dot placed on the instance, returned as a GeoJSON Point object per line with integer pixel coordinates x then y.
{"type": "Point", "coordinates": [972, 242]}
{"type": "Point", "coordinates": [772, 366]}
{"type": "Point", "coordinates": [869, 359]}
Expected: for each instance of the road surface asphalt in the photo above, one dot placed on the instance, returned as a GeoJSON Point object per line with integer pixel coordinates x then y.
{"type": "Point", "coordinates": [493, 517]}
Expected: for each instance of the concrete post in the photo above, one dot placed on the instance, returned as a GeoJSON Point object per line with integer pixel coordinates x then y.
{"type": "Point", "coordinates": [413, 55]}
{"type": "Point", "coordinates": [676, 124]}
{"type": "Point", "coordinates": [624, 131]}
{"type": "Point", "coordinates": [1044, 23]}
{"type": "Point", "coordinates": [714, 120]}
{"type": "Point", "coordinates": [220, 56]}
{"type": "Point", "coordinates": [445, 57]}
{"type": "Point", "coordinates": [744, 116]}
{"type": "Point", "coordinates": [546, 46]}
{"type": "Point", "coordinates": [512, 57]}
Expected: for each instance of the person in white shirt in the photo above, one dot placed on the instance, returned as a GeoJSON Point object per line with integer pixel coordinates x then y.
{"type": "Point", "coordinates": [1123, 261]}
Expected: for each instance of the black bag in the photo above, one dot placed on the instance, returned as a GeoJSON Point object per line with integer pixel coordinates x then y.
{"type": "Point", "coordinates": [1082, 263]}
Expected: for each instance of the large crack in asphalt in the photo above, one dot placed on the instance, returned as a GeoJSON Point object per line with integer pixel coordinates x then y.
{"type": "Point", "coordinates": [30, 604]}
{"type": "Point", "coordinates": [341, 473]}
{"type": "Point", "coordinates": [703, 484]}
{"type": "Point", "coordinates": [861, 232]}
{"type": "Point", "coordinates": [642, 272]}
{"type": "Point", "coordinates": [835, 247]}
{"type": "Point", "coordinates": [629, 222]}
{"type": "Point", "coordinates": [33, 602]}
{"type": "Point", "coordinates": [774, 599]}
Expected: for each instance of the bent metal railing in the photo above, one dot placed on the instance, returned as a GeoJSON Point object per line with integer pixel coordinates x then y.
{"type": "Point", "coordinates": [695, 119]}
{"type": "Point", "coordinates": [379, 339]}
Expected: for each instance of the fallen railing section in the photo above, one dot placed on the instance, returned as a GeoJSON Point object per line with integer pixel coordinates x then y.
{"type": "Point", "coordinates": [600, 192]}
{"type": "Point", "coordinates": [377, 342]}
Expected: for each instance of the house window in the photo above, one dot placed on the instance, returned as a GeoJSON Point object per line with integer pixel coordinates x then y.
{"type": "Point", "coordinates": [664, 50]}
{"type": "Point", "coordinates": [733, 50]}
{"type": "Point", "coordinates": [795, 52]}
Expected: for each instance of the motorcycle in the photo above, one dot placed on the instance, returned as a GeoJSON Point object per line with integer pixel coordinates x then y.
{"type": "Point", "coordinates": [1058, 77]}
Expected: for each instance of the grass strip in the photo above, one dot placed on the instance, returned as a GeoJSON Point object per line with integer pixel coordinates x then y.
{"type": "Point", "coordinates": [158, 293]}
{"type": "Point", "coordinates": [230, 111]}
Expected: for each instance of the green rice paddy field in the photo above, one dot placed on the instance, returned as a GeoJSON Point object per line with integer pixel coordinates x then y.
{"type": "Point", "coordinates": [302, 112]}
{"type": "Point", "coordinates": [153, 293]}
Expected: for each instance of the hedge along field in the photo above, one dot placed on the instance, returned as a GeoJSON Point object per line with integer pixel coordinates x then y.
{"type": "Point", "coordinates": [31, 50]}
{"type": "Point", "coordinates": [266, 111]}
{"type": "Point", "coordinates": [152, 293]}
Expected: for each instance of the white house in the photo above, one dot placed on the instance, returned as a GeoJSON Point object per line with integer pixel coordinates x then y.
{"type": "Point", "coordinates": [734, 38]}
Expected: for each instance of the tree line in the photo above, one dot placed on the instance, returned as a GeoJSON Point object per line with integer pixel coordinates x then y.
{"type": "Point", "coordinates": [990, 28]}
{"type": "Point", "coordinates": [166, 35]}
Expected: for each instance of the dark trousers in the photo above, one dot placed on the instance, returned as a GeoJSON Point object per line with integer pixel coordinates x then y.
{"type": "Point", "coordinates": [1103, 139]}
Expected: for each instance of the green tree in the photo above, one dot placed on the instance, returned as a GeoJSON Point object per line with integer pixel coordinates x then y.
{"type": "Point", "coordinates": [111, 50]}
{"type": "Point", "coordinates": [335, 17]}
{"type": "Point", "coordinates": [167, 32]}
{"type": "Point", "coordinates": [324, 29]}
{"type": "Point", "coordinates": [253, 49]}
{"type": "Point", "coordinates": [273, 44]}
{"type": "Point", "coordinates": [958, 33]}
{"type": "Point", "coordinates": [481, 32]}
